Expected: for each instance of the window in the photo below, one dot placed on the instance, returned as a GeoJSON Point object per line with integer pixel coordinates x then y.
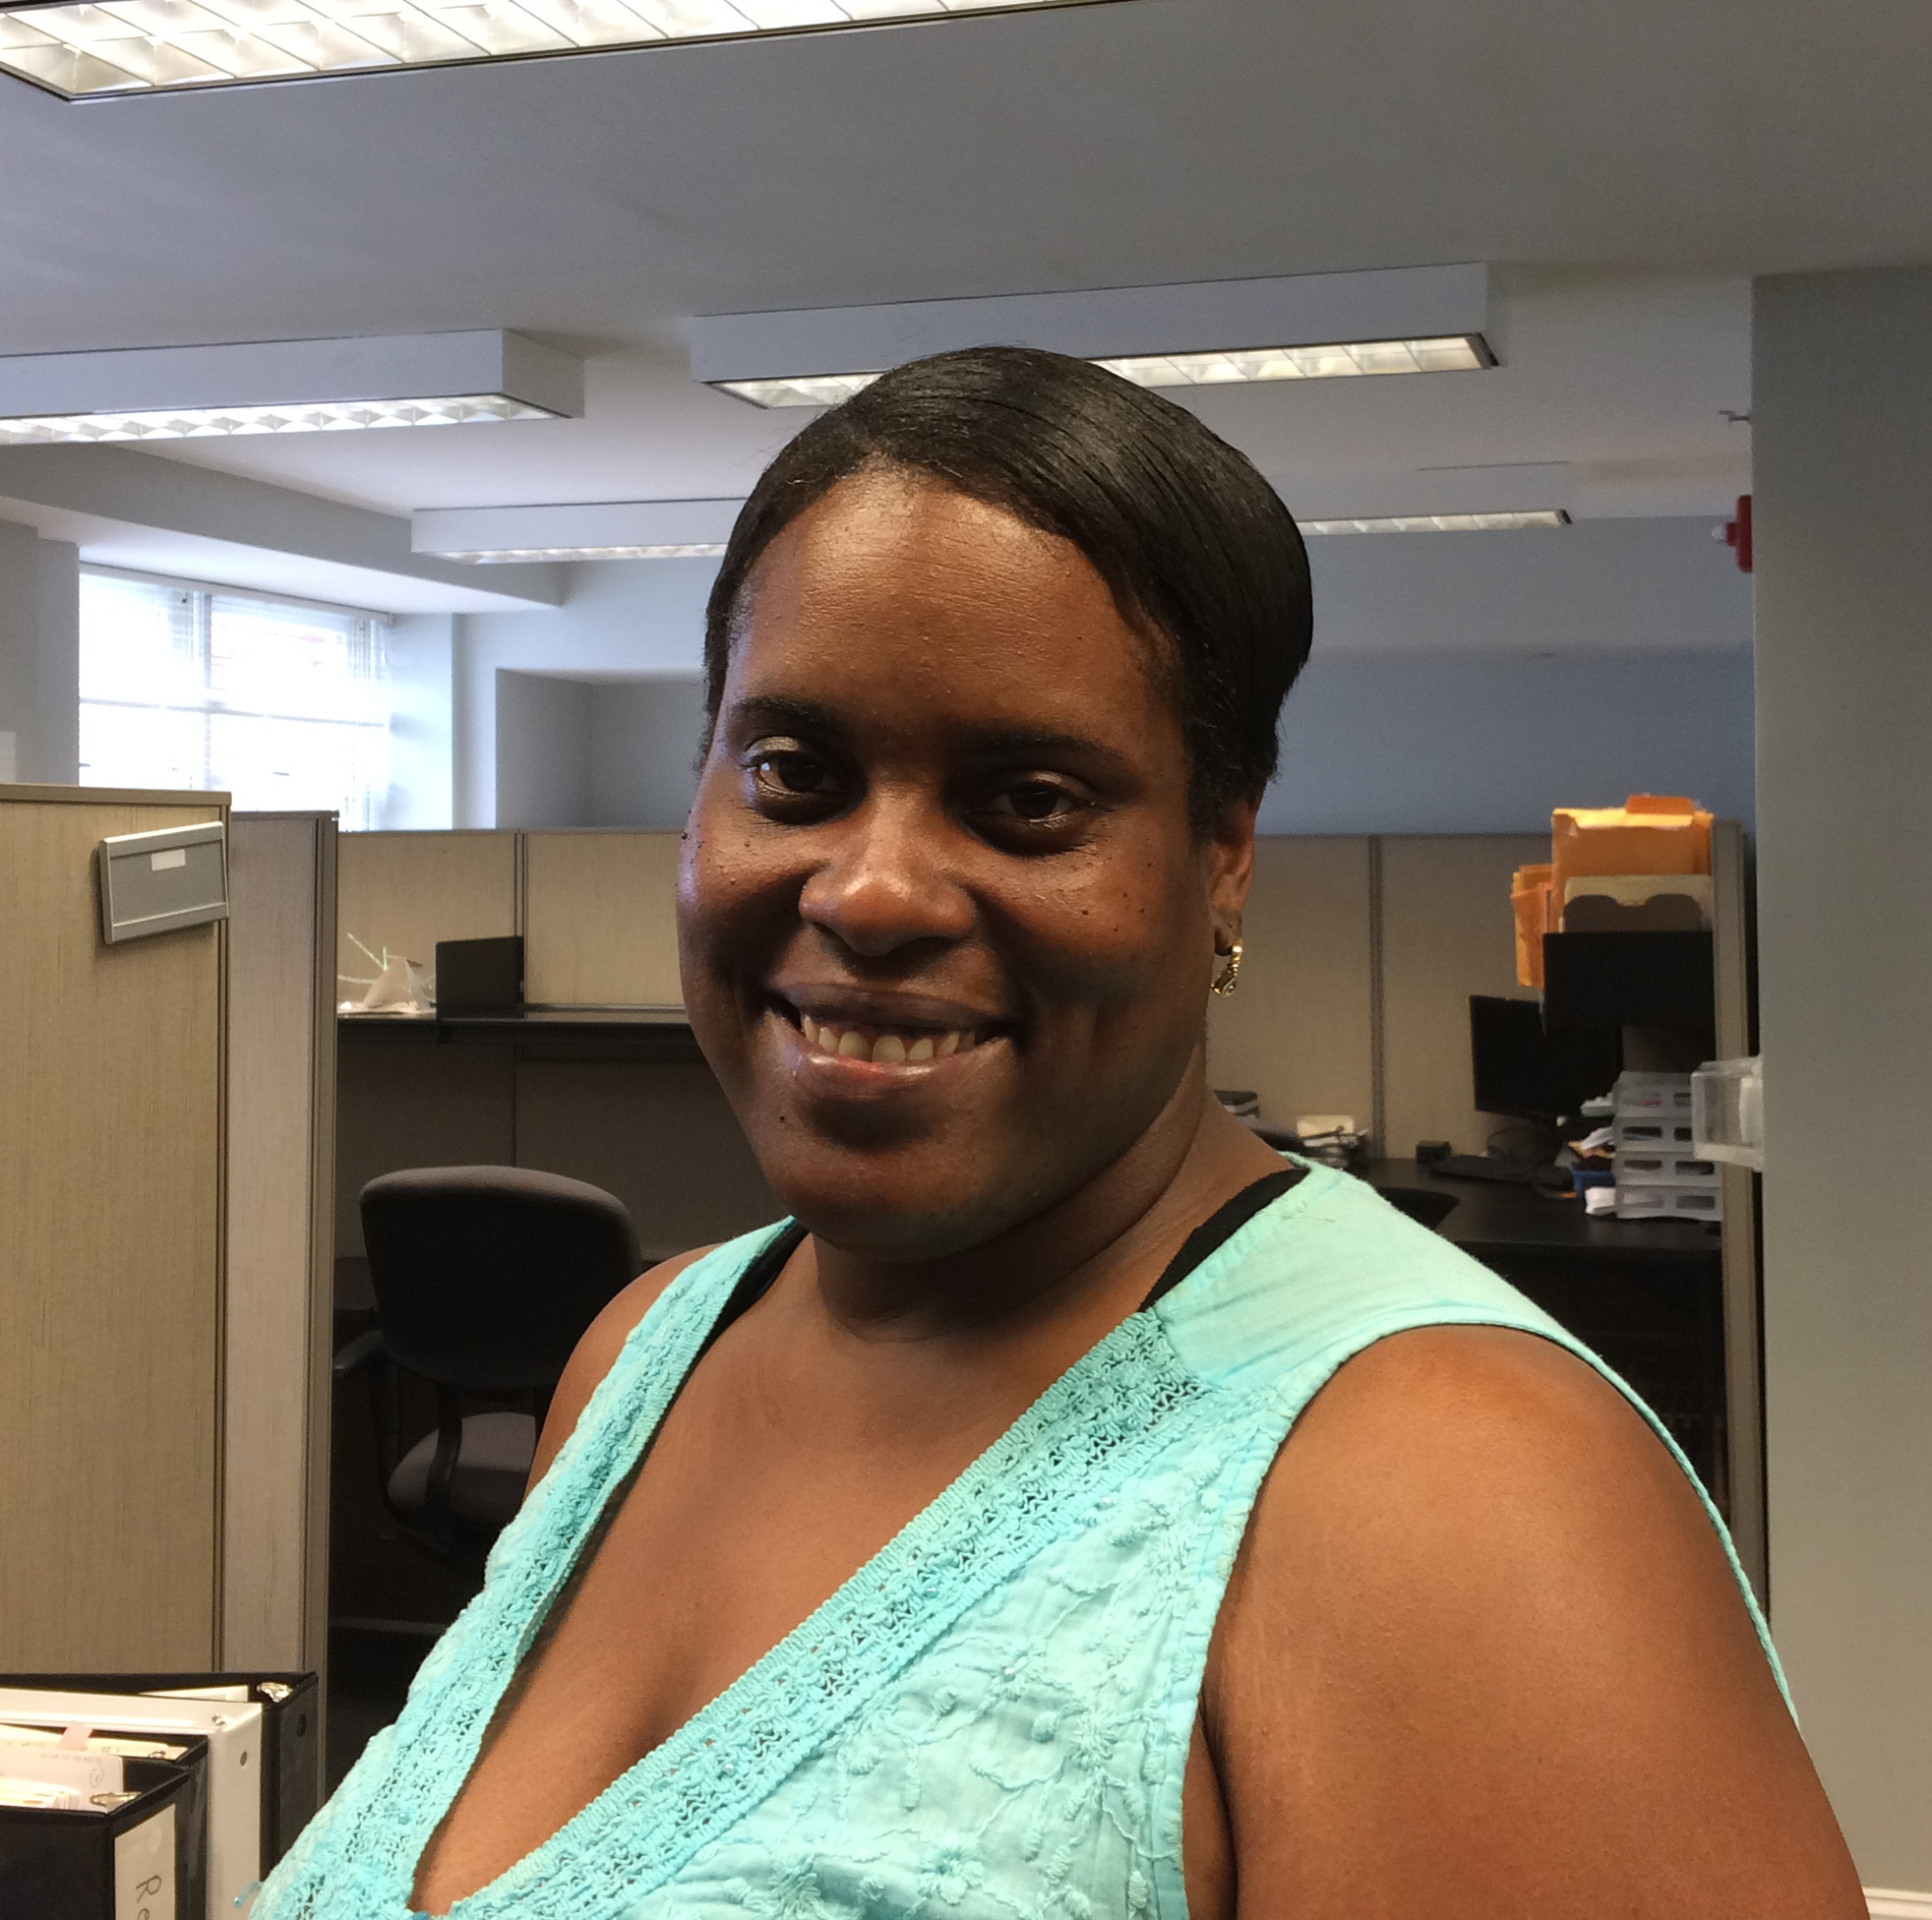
{"type": "Point", "coordinates": [283, 706]}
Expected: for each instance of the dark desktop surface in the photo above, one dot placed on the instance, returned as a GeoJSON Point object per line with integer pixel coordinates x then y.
{"type": "Point", "coordinates": [1491, 1213]}
{"type": "Point", "coordinates": [649, 1032]}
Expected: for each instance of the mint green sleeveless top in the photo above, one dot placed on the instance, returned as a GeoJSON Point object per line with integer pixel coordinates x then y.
{"type": "Point", "coordinates": [990, 1719]}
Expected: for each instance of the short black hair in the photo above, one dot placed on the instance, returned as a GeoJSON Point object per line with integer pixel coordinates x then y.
{"type": "Point", "coordinates": [1192, 542]}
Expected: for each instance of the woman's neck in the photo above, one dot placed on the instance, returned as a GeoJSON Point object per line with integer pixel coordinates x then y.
{"type": "Point", "coordinates": [1091, 1254]}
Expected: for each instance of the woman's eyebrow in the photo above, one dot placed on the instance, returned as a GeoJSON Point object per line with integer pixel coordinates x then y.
{"type": "Point", "coordinates": [780, 709]}
{"type": "Point", "coordinates": [1021, 743]}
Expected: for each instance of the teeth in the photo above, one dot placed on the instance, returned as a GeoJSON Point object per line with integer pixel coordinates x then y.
{"type": "Point", "coordinates": [888, 1050]}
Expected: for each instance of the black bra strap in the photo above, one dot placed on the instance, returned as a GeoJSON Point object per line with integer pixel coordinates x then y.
{"type": "Point", "coordinates": [755, 1281]}
{"type": "Point", "coordinates": [754, 1284]}
{"type": "Point", "coordinates": [1220, 1226]}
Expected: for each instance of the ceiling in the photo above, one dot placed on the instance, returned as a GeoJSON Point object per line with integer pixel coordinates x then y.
{"type": "Point", "coordinates": [1625, 169]}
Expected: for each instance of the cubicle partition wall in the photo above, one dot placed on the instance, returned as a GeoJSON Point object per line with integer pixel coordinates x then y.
{"type": "Point", "coordinates": [113, 1184]}
{"type": "Point", "coordinates": [281, 1217]}
{"type": "Point", "coordinates": [166, 1152]}
{"type": "Point", "coordinates": [1360, 957]}
{"type": "Point", "coordinates": [598, 913]}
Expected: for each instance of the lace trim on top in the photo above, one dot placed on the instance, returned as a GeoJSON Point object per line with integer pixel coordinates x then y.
{"type": "Point", "coordinates": [1084, 1436]}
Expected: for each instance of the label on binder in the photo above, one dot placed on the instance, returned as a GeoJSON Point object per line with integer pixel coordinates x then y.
{"type": "Point", "coordinates": [144, 1870]}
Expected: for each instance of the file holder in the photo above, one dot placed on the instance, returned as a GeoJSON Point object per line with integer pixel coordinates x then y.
{"type": "Point", "coordinates": [291, 1744]}
{"type": "Point", "coordinates": [124, 1863]}
{"type": "Point", "coordinates": [233, 1731]}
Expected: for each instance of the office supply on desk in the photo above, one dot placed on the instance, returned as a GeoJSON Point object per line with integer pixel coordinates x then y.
{"type": "Point", "coordinates": [485, 1279]}
{"type": "Point", "coordinates": [1501, 1173]}
{"type": "Point", "coordinates": [292, 1740]}
{"type": "Point", "coordinates": [233, 1732]}
{"type": "Point", "coordinates": [477, 977]}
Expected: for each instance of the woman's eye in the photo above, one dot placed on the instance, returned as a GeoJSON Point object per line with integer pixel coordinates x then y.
{"type": "Point", "coordinates": [1035, 804]}
{"type": "Point", "coordinates": [782, 775]}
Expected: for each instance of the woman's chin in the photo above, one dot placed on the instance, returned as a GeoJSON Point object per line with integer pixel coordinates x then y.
{"type": "Point", "coordinates": [885, 1209]}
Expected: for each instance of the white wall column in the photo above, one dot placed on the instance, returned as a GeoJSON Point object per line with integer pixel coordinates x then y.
{"type": "Point", "coordinates": [1842, 448]}
{"type": "Point", "coordinates": [40, 655]}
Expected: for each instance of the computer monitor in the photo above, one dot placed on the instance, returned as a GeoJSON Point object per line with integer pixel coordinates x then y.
{"type": "Point", "coordinates": [1524, 1073]}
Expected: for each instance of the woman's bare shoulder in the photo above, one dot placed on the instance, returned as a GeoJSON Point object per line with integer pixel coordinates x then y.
{"type": "Point", "coordinates": [1483, 1652]}
{"type": "Point", "coordinates": [597, 1354]}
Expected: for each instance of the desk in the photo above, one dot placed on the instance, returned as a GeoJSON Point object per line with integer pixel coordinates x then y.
{"type": "Point", "coordinates": [619, 1096]}
{"type": "Point", "coordinates": [1648, 1295]}
{"type": "Point", "coordinates": [657, 1033]}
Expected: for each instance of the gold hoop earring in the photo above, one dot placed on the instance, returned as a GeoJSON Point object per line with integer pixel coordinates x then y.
{"type": "Point", "coordinates": [1230, 974]}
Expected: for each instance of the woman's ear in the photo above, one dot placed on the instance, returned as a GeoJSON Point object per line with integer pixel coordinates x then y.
{"type": "Point", "coordinates": [1231, 850]}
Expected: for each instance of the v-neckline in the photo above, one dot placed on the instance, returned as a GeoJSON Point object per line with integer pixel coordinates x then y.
{"type": "Point", "coordinates": [1152, 1387]}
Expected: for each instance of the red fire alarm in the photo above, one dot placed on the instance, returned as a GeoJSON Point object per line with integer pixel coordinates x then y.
{"type": "Point", "coordinates": [1737, 533]}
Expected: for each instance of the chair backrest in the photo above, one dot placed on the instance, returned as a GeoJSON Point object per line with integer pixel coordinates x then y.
{"type": "Point", "coordinates": [486, 1277]}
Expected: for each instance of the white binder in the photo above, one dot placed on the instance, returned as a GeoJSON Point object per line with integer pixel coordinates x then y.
{"type": "Point", "coordinates": [234, 1730]}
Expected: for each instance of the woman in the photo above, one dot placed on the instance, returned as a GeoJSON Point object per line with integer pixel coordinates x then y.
{"type": "Point", "coordinates": [1078, 1511]}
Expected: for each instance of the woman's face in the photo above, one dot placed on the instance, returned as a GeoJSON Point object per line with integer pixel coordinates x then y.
{"type": "Point", "coordinates": [946, 934]}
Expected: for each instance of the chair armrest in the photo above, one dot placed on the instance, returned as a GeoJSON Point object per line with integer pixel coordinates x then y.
{"type": "Point", "coordinates": [352, 1358]}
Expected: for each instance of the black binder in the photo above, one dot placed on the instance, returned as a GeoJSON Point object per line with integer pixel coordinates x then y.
{"type": "Point", "coordinates": [290, 1703]}
{"type": "Point", "coordinates": [59, 1865]}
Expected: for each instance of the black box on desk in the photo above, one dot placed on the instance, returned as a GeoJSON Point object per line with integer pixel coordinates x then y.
{"type": "Point", "coordinates": [479, 976]}
{"type": "Point", "coordinates": [291, 1744]}
{"type": "Point", "coordinates": [146, 1858]}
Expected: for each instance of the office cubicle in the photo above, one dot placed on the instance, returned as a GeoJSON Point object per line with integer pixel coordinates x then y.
{"type": "Point", "coordinates": [165, 1135]}
{"type": "Point", "coordinates": [1362, 954]}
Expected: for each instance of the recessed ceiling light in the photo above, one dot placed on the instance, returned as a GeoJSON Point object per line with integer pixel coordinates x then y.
{"type": "Point", "coordinates": [700, 550]}
{"type": "Point", "coordinates": [1335, 360]}
{"type": "Point", "coordinates": [1444, 522]}
{"type": "Point", "coordinates": [129, 46]}
{"type": "Point", "coordinates": [216, 422]}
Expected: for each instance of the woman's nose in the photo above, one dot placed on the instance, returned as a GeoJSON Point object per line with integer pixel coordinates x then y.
{"type": "Point", "coordinates": [886, 881]}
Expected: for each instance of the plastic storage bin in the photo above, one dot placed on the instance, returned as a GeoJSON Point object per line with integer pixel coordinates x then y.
{"type": "Point", "coordinates": [1727, 1111]}
{"type": "Point", "coordinates": [1668, 1202]}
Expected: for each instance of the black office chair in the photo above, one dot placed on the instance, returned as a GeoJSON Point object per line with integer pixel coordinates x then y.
{"type": "Point", "coordinates": [485, 1278]}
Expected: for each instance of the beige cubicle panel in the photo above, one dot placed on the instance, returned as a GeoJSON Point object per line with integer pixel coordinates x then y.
{"type": "Point", "coordinates": [405, 1102]}
{"type": "Point", "coordinates": [658, 1134]}
{"type": "Point", "coordinates": [405, 891]}
{"type": "Point", "coordinates": [111, 1253]}
{"type": "Point", "coordinates": [1299, 1028]}
{"type": "Point", "coordinates": [281, 1176]}
{"type": "Point", "coordinates": [1445, 932]}
{"type": "Point", "coordinates": [600, 918]}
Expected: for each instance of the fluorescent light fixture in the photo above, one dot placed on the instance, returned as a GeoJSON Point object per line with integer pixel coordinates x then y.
{"type": "Point", "coordinates": [1301, 326]}
{"type": "Point", "coordinates": [1510, 522]}
{"type": "Point", "coordinates": [699, 550]}
{"type": "Point", "coordinates": [132, 46]}
{"type": "Point", "coordinates": [1336, 360]}
{"type": "Point", "coordinates": [806, 390]}
{"type": "Point", "coordinates": [283, 386]}
{"type": "Point", "coordinates": [213, 422]}
{"type": "Point", "coordinates": [600, 529]}
{"type": "Point", "coordinates": [1450, 353]}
